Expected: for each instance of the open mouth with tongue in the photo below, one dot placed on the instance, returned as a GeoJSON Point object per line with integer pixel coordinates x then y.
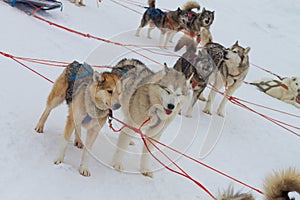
{"type": "Point", "coordinates": [168, 112]}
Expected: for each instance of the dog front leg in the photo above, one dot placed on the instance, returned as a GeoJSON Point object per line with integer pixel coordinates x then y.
{"type": "Point", "coordinates": [78, 142]}
{"type": "Point", "coordinates": [169, 33]}
{"type": "Point", "coordinates": [228, 93]}
{"type": "Point", "coordinates": [161, 38]}
{"type": "Point", "coordinates": [217, 85]}
{"type": "Point", "coordinates": [152, 26]}
{"type": "Point", "coordinates": [145, 169]}
{"type": "Point", "coordinates": [196, 94]}
{"type": "Point", "coordinates": [123, 142]}
{"type": "Point", "coordinates": [90, 140]}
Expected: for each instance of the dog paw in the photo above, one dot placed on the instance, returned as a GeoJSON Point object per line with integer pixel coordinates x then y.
{"type": "Point", "coordinates": [39, 129]}
{"type": "Point", "coordinates": [147, 172]}
{"type": "Point", "coordinates": [206, 111]}
{"type": "Point", "coordinates": [58, 161]}
{"type": "Point", "coordinates": [188, 115]}
{"type": "Point", "coordinates": [118, 166]}
{"type": "Point", "coordinates": [81, 4]}
{"type": "Point", "coordinates": [84, 171]}
{"type": "Point", "coordinates": [131, 143]}
{"type": "Point", "coordinates": [221, 114]}
{"type": "Point", "coordinates": [78, 144]}
{"type": "Point", "coordinates": [201, 98]}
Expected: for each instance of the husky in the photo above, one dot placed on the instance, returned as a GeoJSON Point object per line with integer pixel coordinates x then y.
{"type": "Point", "coordinates": [287, 89]}
{"type": "Point", "coordinates": [89, 96]}
{"type": "Point", "coordinates": [156, 97]}
{"type": "Point", "coordinates": [168, 22]}
{"type": "Point", "coordinates": [277, 186]}
{"type": "Point", "coordinates": [232, 68]}
{"type": "Point", "coordinates": [198, 24]}
{"type": "Point", "coordinates": [200, 66]}
{"type": "Point", "coordinates": [77, 2]}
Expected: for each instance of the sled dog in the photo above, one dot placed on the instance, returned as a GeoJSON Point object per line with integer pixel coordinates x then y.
{"type": "Point", "coordinates": [156, 97]}
{"type": "Point", "coordinates": [277, 186]}
{"type": "Point", "coordinates": [77, 2]}
{"type": "Point", "coordinates": [287, 89]}
{"type": "Point", "coordinates": [232, 68]}
{"type": "Point", "coordinates": [200, 66]}
{"type": "Point", "coordinates": [168, 22]}
{"type": "Point", "coordinates": [89, 96]}
{"type": "Point", "coordinates": [198, 24]}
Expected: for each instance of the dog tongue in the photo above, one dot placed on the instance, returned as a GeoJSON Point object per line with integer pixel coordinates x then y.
{"type": "Point", "coordinates": [168, 111]}
{"type": "Point", "coordinates": [298, 98]}
{"type": "Point", "coordinates": [194, 84]}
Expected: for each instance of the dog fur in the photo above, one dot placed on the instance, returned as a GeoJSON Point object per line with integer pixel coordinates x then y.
{"type": "Point", "coordinates": [200, 66]}
{"type": "Point", "coordinates": [90, 95]}
{"type": "Point", "coordinates": [277, 186]}
{"type": "Point", "coordinates": [77, 2]}
{"type": "Point", "coordinates": [286, 90]}
{"type": "Point", "coordinates": [169, 23]}
{"type": "Point", "coordinates": [147, 95]}
{"type": "Point", "coordinates": [232, 68]}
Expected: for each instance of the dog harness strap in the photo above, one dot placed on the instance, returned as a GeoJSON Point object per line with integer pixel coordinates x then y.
{"type": "Point", "coordinates": [170, 21]}
{"type": "Point", "coordinates": [86, 119]}
{"type": "Point", "coordinates": [13, 2]}
{"type": "Point", "coordinates": [86, 73]}
{"type": "Point", "coordinates": [157, 123]}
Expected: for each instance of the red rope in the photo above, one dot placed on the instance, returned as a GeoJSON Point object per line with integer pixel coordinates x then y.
{"type": "Point", "coordinates": [275, 121]}
{"type": "Point", "coordinates": [144, 137]}
{"type": "Point", "coordinates": [183, 173]}
{"type": "Point", "coordinates": [27, 67]}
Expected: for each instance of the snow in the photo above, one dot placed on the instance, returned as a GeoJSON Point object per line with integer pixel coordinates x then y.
{"type": "Point", "coordinates": [249, 147]}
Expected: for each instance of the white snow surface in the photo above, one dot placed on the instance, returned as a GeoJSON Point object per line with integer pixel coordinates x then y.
{"type": "Point", "coordinates": [249, 148]}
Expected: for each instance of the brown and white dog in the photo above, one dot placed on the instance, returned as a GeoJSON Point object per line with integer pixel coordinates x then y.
{"type": "Point", "coordinates": [89, 96]}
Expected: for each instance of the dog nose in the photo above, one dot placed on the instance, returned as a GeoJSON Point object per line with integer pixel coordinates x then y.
{"type": "Point", "coordinates": [116, 106]}
{"type": "Point", "coordinates": [171, 106]}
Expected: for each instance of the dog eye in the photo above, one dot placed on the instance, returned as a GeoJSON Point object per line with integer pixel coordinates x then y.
{"type": "Point", "coordinates": [110, 91]}
{"type": "Point", "coordinates": [234, 51]}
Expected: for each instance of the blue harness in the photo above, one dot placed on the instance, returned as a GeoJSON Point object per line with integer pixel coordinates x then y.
{"type": "Point", "coordinates": [86, 73]}
{"type": "Point", "coordinates": [86, 119]}
{"type": "Point", "coordinates": [154, 12]}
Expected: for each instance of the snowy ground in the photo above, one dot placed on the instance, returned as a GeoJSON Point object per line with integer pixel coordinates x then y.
{"type": "Point", "coordinates": [248, 149]}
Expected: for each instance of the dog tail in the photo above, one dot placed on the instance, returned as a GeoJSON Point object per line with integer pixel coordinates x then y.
{"type": "Point", "coordinates": [186, 41]}
{"type": "Point", "coordinates": [279, 184]}
{"type": "Point", "coordinates": [188, 6]}
{"type": "Point", "coordinates": [151, 3]}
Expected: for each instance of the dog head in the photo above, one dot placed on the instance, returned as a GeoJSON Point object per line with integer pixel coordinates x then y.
{"type": "Point", "coordinates": [104, 90]}
{"type": "Point", "coordinates": [294, 84]}
{"type": "Point", "coordinates": [182, 15]}
{"type": "Point", "coordinates": [206, 17]}
{"type": "Point", "coordinates": [173, 90]}
{"type": "Point", "coordinates": [236, 55]}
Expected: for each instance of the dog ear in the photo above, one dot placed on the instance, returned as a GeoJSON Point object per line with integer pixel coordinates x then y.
{"type": "Point", "coordinates": [179, 10]}
{"type": "Point", "coordinates": [236, 43]}
{"type": "Point", "coordinates": [166, 68]}
{"type": "Point", "coordinates": [97, 77]}
{"type": "Point", "coordinates": [203, 9]}
{"type": "Point", "coordinates": [247, 50]}
{"type": "Point", "coordinates": [188, 81]}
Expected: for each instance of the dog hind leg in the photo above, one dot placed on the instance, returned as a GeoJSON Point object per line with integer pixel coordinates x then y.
{"type": "Point", "coordinates": [217, 85]}
{"type": "Point", "coordinates": [55, 98]}
{"type": "Point", "coordinates": [69, 128]}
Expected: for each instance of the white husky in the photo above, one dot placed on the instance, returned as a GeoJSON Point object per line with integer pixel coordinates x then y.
{"type": "Point", "coordinates": [147, 95]}
{"type": "Point", "coordinates": [287, 90]}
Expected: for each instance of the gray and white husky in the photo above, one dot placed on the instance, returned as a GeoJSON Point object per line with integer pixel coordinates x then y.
{"type": "Point", "coordinates": [157, 97]}
{"type": "Point", "coordinates": [198, 65]}
{"type": "Point", "coordinates": [232, 68]}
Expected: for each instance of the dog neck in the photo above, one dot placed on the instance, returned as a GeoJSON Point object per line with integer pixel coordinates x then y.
{"type": "Point", "coordinates": [91, 108]}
